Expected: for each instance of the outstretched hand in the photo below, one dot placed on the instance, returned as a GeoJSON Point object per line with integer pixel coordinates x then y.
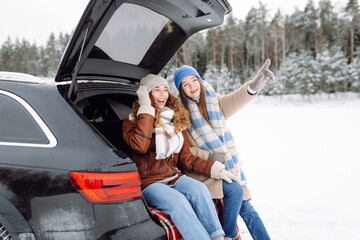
{"type": "Point", "coordinates": [262, 76]}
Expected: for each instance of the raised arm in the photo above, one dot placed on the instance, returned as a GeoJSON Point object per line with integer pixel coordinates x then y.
{"type": "Point", "coordinates": [138, 136]}
{"type": "Point", "coordinates": [232, 102]}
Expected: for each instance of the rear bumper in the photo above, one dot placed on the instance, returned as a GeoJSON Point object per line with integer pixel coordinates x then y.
{"type": "Point", "coordinates": [145, 230]}
{"type": "Point", "coordinates": [127, 220]}
{"type": "Point", "coordinates": [130, 219]}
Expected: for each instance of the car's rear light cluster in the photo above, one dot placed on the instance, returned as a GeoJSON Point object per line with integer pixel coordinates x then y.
{"type": "Point", "coordinates": [107, 187]}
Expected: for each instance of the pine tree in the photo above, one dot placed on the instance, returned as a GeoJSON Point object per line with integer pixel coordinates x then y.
{"type": "Point", "coordinates": [18, 57]}
{"type": "Point", "coordinates": [326, 82]}
{"type": "Point", "coordinates": [306, 74]}
{"type": "Point", "coordinates": [311, 26]}
{"type": "Point", "coordinates": [33, 64]}
{"type": "Point", "coordinates": [276, 31]}
{"type": "Point", "coordinates": [51, 55]}
{"type": "Point", "coordinates": [7, 56]}
{"type": "Point", "coordinates": [224, 80]}
{"type": "Point", "coordinates": [252, 43]}
{"type": "Point", "coordinates": [286, 77]}
{"type": "Point", "coordinates": [334, 70]}
{"type": "Point", "coordinates": [230, 35]}
{"type": "Point", "coordinates": [326, 22]}
{"type": "Point", "coordinates": [212, 76]}
{"type": "Point", "coordinates": [352, 10]}
{"type": "Point", "coordinates": [262, 18]}
{"type": "Point", "coordinates": [298, 21]}
{"type": "Point", "coordinates": [239, 50]}
{"type": "Point", "coordinates": [43, 64]}
{"type": "Point", "coordinates": [354, 71]}
{"type": "Point", "coordinates": [340, 70]}
{"type": "Point", "coordinates": [282, 77]}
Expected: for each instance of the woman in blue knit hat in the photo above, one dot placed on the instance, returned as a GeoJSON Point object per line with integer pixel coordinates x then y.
{"type": "Point", "coordinates": [210, 138]}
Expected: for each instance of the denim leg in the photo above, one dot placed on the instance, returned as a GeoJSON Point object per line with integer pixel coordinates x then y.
{"type": "Point", "coordinates": [233, 194]}
{"type": "Point", "coordinates": [200, 199]}
{"type": "Point", "coordinates": [253, 222]}
{"type": "Point", "coordinates": [172, 202]}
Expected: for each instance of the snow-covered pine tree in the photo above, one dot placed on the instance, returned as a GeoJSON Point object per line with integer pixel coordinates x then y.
{"type": "Point", "coordinates": [340, 70]}
{"type": "Point", "coordinates": [306, 75]}
{"type": "Point", "coordinates": [224, 82]}
{"type": "Point", "coordinates": [212, 76]}
{"type": "Point", "coordinates": [354, 70]}
{"type": "Point", "coordinates": [7, 62]}
{"type": "Point", "coordinates": [286, 75]}
{"type": "Point", "coordinates": [327, 82]}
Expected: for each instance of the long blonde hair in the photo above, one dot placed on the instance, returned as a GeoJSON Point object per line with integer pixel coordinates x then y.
{"type": "Point", "coordinates": [201, 104]}
{"type": "Point", "coordinates": [181, 115]}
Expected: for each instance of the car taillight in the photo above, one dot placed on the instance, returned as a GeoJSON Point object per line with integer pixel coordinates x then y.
{"type": "Point", "coordinates": [107, 187]}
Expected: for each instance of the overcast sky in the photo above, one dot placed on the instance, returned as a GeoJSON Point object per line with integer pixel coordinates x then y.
{"type": "Point", "coordinates": [35, 20]}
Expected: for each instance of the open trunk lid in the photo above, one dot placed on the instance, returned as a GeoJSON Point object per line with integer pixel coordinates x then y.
{"type": "Point", "coordinates": [117, 39]}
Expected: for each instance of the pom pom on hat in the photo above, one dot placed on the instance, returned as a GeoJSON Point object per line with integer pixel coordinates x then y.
{"type": "Point", "coordinates": [183, 72]}
{"type": "Point", "coordinates": [151, 81]}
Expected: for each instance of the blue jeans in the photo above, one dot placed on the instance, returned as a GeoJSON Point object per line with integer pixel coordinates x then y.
{"type": "Point", "coordinates": [189, 205]}
{"type": "Point", "coordinates": [233, 206]}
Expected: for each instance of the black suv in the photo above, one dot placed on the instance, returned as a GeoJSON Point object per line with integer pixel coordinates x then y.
{"type": "Point", "coordinates": [64, 168]}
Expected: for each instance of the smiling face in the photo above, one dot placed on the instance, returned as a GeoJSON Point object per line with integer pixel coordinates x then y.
{"type": "Point", "coordinates": [191, 87]}
{"type": "Point", "coordinates": [160, 95]}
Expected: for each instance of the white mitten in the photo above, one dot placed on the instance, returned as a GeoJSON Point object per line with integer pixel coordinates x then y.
{"type": "Point", "coordinates": [218, 171]}
{"type": "Point", "coordinates": [144, 102]}
{"type": "Point", "coordinates": [143, 96]}
{"type": "Point", "coordinates": [227, 176]}
{"type": "Point", "coordinates": [261, 77]}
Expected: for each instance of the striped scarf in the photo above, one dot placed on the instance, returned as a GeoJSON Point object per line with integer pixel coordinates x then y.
{"type": "Point", "coordinates": [216, 139]}
{"type": "Point", "coordinates": [166, 139]}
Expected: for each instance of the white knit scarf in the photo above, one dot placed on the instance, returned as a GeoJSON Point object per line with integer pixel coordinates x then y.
{"type": "Point", "coordinates": [166, 139]}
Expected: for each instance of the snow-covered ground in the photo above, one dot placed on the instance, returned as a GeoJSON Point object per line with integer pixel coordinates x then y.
{"type": "Point", "coordinates": [302, 161]}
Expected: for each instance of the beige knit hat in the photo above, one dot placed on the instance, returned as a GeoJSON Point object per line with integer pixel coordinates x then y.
{"type": "Point", "coordinates": [151, 81]}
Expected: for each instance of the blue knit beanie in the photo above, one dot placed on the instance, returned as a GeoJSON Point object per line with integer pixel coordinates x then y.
{"type": "Point", "coordinates": [183, 72]}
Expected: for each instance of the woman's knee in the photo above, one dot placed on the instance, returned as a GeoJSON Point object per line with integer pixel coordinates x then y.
{"type": "Point", "coordinates": [173, 205]}
{"type": "Point", "coordinates": [159, 195]}
{"type": "Point", "coordinates": [197, 189]}
{"type": "Point", "coordinates": [202, 190]}
{"type": "Point", "coordinates": [233, 189]}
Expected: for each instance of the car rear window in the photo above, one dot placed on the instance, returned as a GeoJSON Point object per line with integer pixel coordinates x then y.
{"type": "Point", "coordinates": [132, 31]}
{"type": "Point", "coordinates": [17, 124]}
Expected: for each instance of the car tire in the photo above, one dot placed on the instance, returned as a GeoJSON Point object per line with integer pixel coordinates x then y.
{"type": "Point", "coordinates": [4, 234]}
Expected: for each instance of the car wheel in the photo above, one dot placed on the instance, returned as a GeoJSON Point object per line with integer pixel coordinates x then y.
{"type": "Point", "coordinates": [4, 234]}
